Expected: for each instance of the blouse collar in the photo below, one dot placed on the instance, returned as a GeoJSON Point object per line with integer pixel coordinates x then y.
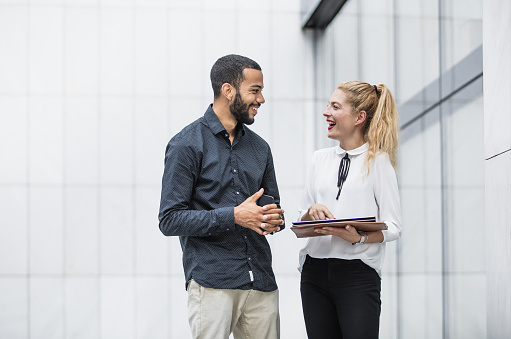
{"type": "Point", "coordinates": [355, 151]}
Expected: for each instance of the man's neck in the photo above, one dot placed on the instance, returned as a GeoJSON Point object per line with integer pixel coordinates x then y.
{"type": "Point", "coordinates": [226, 118]}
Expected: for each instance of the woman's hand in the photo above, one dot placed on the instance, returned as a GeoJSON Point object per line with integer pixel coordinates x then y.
{"type": "Point", "coordinates": [348, 233]}
{"type": "Point", "coordinates": [317, 212]}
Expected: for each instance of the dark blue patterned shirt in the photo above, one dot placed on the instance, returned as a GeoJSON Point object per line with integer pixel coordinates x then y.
{"type": "Point", "coordinates": [204, 178]}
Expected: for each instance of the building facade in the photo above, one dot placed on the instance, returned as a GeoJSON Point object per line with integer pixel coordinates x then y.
{"type": "Point", "coordinates": [91, 91]}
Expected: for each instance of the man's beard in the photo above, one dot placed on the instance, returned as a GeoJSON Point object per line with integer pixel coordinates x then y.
{"type": "Point", "coordinates": [240, 110]}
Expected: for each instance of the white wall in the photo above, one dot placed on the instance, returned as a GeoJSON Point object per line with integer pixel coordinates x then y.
{"type": "Point", "coordinates": [90, 93]}
{"type": "Point", "coordinates": [497, 140]}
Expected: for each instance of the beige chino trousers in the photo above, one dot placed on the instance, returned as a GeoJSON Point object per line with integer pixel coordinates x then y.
{"type": "Point", "coordinates": [248, 314]}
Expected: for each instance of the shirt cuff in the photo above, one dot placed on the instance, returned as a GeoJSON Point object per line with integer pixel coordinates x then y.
{"type": "Point", "coordinates": [391, 233]}
{"type": "Point", "coordinates": [225, 218]}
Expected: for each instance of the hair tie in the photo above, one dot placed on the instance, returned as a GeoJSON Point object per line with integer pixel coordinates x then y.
{"type": "Point", "coordinates": [376, 90]}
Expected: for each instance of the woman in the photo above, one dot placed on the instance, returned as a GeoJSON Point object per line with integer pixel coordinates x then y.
{"type": "Point", "coordinates": [340, 271]}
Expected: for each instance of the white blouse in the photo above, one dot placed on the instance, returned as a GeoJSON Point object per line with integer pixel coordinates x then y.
{"type": "Point", "coordinates": [373, 195]}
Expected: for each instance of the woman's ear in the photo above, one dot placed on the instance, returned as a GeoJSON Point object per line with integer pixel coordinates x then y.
{"type": "Point", "coordinates": [362, 115]}
{"type": "Point", "coordinates": [228, 91]}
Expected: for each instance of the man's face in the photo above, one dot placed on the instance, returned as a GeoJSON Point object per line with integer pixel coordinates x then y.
{"type": "Point", "coordinates": [248, 97]}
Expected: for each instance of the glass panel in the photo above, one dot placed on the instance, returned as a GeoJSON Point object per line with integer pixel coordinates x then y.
{"type": "Point", "coordinates": [420, 257]}
{"type": "Point", "coordinates": [419, 177]}
{"type": "Point", "coordinates": [464, 210]}
{"type": "Point", "coordinates": [421, 306]}
{"type": "Point", "coordinates": [376, 53]}
{"type": "Point", "coordinates": [417, 56]}
{"type": "Point", "coordinates": [464, 157]}
{"type": "Point", "coordinates": [461, 39]}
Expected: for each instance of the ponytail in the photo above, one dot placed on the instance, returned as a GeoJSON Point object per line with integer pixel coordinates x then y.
{"type": "Point", "coordinates": [381, 129]}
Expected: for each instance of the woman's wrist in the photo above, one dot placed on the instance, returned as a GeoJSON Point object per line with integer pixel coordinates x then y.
{"type": "Point", "coordinates": [363, 239]}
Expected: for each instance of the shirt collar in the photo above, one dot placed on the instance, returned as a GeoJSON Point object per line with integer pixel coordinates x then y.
{"type": "Point", "coordinates": [215, 125]}
{"type": "Point", "coordinates": [356, 151]}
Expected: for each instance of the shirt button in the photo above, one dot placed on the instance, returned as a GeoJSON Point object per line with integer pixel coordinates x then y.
{"type": "Point", "coordinates": [227, 229]}
{"type": "Point", "coordinates": [226, 135]}
{"type": "Point", "coordinates": [235, 171]}
{"type": "Point", "coordinates": [245, 236]}
{"type": "Point", "coordinates": [249, 258]}
{"type": "Point", "coordinates": [237, 192]}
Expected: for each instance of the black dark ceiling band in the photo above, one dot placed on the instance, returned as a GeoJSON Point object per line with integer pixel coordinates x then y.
{"type": "Point", "coordinates": [323, 13]}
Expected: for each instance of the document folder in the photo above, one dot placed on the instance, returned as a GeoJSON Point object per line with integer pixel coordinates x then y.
{"type": "Point", "coordinates": [305, 229]}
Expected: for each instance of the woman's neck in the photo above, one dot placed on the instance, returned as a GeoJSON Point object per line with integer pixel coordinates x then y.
{"type": "Point", "coordinates": [351, 143]}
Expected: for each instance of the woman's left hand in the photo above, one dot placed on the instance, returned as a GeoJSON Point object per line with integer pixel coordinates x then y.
{"type": "Point", "coordinates": [348, 233]}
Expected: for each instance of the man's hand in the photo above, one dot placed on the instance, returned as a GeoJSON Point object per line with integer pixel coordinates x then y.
{"type": "Point", "coordinates": [263, 220]}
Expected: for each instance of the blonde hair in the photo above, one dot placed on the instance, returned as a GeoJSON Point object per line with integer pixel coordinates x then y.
{"type": "Point", "coordinates": [381, 128]}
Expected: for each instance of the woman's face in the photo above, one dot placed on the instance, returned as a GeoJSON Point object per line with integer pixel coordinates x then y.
{"type": "Point", "coordinates": [340, 118]}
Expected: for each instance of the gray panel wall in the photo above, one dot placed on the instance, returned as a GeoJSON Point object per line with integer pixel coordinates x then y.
{"type": "Point", "coordinates": [497, 142]}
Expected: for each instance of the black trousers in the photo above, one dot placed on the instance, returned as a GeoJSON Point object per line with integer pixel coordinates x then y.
{"type": "Point", "coordinates": [340, 299]}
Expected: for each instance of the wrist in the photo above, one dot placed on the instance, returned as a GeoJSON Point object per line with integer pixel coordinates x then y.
{"type": "Point", "coordinates": [363, 239]}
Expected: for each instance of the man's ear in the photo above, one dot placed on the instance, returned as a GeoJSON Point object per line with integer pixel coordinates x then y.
{"type": "Point", "coordinates": [362, 115]}
{"type": "Point", "coordinates": [228, 91]}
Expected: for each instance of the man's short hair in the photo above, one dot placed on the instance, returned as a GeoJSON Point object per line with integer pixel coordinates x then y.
{"type": "Point", "coordinates": [229, 69]}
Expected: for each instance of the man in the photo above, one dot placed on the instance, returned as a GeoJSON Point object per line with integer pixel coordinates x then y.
{"type": "Point", "coordinates": [216, 169]}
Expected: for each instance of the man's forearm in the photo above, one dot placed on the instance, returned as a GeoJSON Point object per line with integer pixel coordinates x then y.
{"type": "Point", "coordinates": [197, 222]}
